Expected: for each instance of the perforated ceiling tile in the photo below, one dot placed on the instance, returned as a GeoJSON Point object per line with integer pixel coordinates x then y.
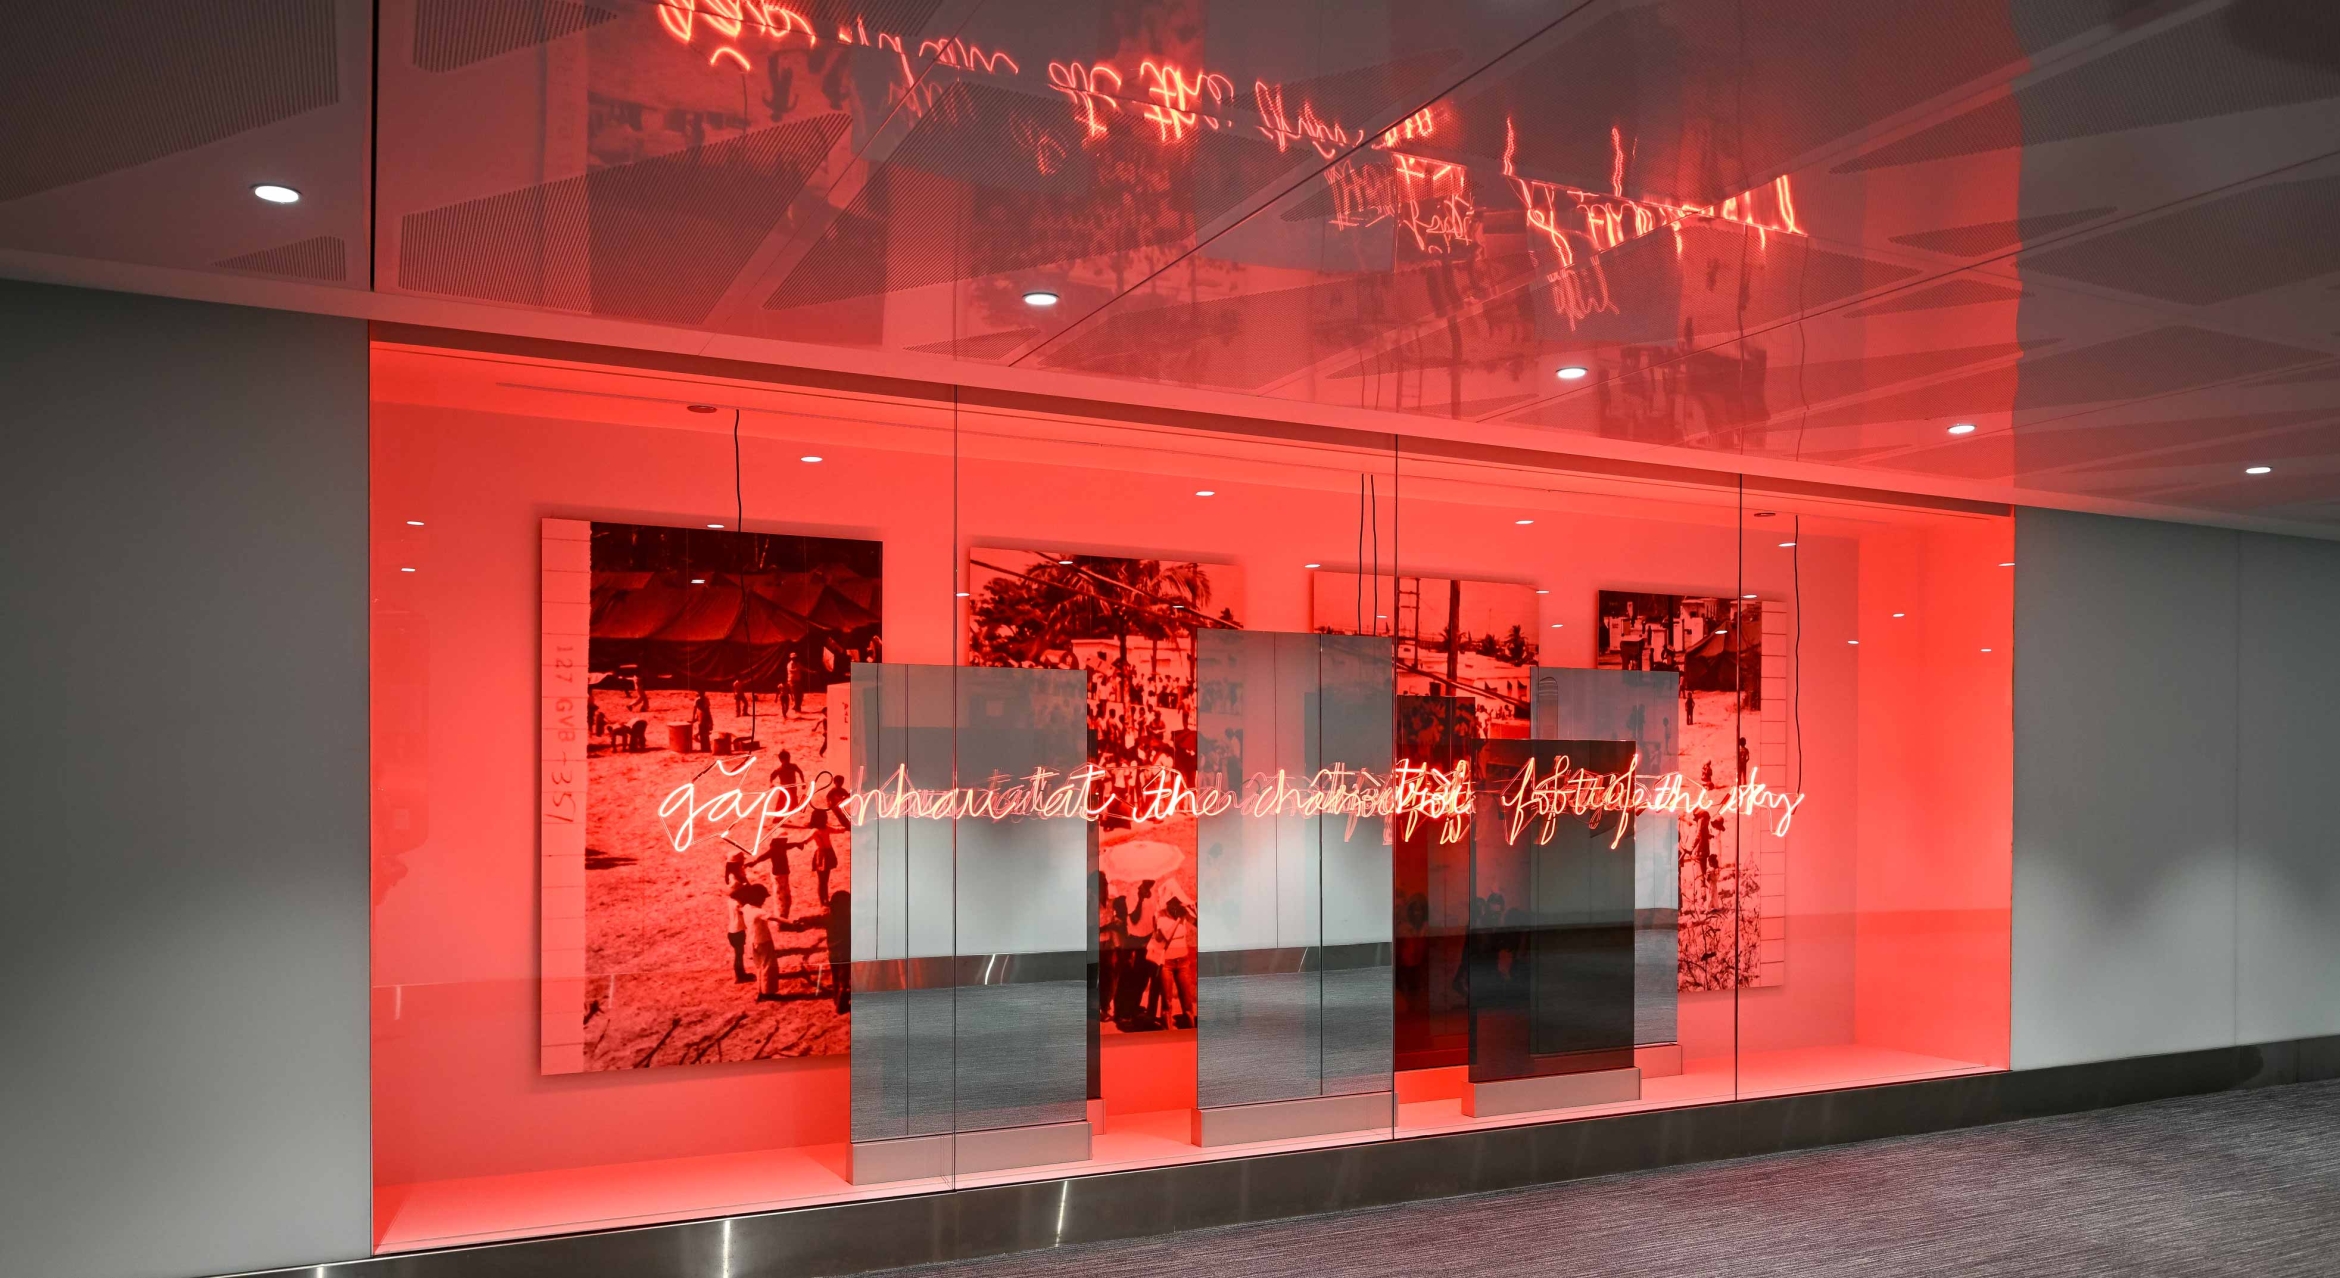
{"type": "Point", "coordinates": [2190, 71]}
{"type": "Point", "coordinates": [2148, 363]}
{"type": "Point", "coordinates": [2244, 243]}
{"type": "Point", "coordinates": [1961, 291]}
{"type": "Point", "coordinates": [1976, 239]}
{"type": "Point", "coordinates": [92, 88]}
{"type": "Point", "coordinates": [456, 33]}
{"type": "Point", "coordinates": [321, 257]}
{"type": "Point", "coordinates": [659, 239]}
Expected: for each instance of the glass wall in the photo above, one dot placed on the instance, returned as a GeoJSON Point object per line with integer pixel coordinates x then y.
{"type": "Point", "coordinates": [789, 795]}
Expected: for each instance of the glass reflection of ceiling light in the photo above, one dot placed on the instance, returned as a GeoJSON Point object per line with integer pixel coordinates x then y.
{"type": "Point", "coordinates": [1039, 297]}
{"type": "Point", "coordinates": [1787, 545]}
{"type": "Point", "coordinates": [2258, 470]}
{"type": "Point", "coordinates": [1854, 642]}
{"type": "Point", "coordinates": [1523, 521]}
{"type": "Point", "coordinates": [714, 525]}
{"type": "Point", "coordinates": [810, 459]}
{"type": "Point", "coordinates": [1543, 592]}
{"type": "Point", "coordinates": [1963, 428]}
{"type": "Point", "coordinates": [276, 194]}
{"type": "Point", "coordinates": [1572, 372]}
{"type": "Point", "coordinates": [1206, 492]}
{"type": "Point", "coordinates": [962, 594]}
{"type": "Point", "coordinates": [1746, 596]}
{"type": "Point", "coordinates": [2009, 564]}
{"type": "Point", "coordinates": [414, 523]}
{"type": "Point", "coordinates": [698, 581]}
{"type": "Point", "coordinates": [1312, 565]}
{"type": "Point", "coordinates": [406, 570]}
{"type": "Point", "coordinates": [1066, 562]}
{"type": "Point", "coordinates": [1986, 650]}
{"type": "Point", "coordinates": [1901, 614]}
{"type": "Point", "coordinates": [1562, 625]}
{"type": "Point", "coordinates": [701, 408]}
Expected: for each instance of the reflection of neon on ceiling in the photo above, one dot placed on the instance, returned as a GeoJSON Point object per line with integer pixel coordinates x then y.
{"type": "Point", "coordinates": [1429, 199]}
{"type": "Point", "coordinates": [1047, 151]}
{"type": "Point", "coordinates": [1410, 794]}
{"type": "Point", "coordinates": [1611, 220]}
{"type": "Point", "coordinates": [1085, 86]}
{"type": "Point", "coordinates": [1421, 124]}
{"type": "Point", "coordinates": [955, 52]}
{"type": "Point", "coordinates": [1177, 97]}
{"type": "Point", "coordinates": [1329, 138]}
{"type": "Point", "coordinates": [731, 19]}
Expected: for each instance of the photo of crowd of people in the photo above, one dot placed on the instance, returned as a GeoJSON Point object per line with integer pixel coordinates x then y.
{"type": "Point", "coordinates": [1129, 626]}
{"type": "Point", "coordinates": [712, 659]}
{"type": "Point", "coordinates": [1471, 641]}
{"type": "Point", "coordinates": [1716, 644]}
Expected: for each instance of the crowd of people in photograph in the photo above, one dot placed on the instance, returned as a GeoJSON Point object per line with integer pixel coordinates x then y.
{"type": "Point", "coordinates": [760, 897]}
{"type": "Point", "coordinates": [1145, 956]}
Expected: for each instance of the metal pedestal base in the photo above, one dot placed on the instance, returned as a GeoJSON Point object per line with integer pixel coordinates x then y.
{"type": "Point", "coordinates": [1553, 1091]}
{"type": "Point", "coordinates": [1292, 1119]}
{"type": "Point", "coordinates": [969, 1153]}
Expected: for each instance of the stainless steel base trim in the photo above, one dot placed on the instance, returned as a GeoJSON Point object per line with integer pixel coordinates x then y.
{"type": "Point", "coordinates": [877, 1162]}
{"type": "Point", "coordinates": [1293, 1119]}
{"type": "Point", "coordinates": [1552, 1091]}
{"type": "Point", "coordinates": [1658, 1060]}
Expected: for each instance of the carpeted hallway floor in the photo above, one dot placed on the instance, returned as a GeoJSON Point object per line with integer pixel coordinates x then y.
{"type": "Point", "coordinates": [2237, 1183]}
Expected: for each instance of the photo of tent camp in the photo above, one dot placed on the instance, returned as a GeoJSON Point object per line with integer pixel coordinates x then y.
{"type": "Point", "coordinates": [1129, 624]}
{"type": "Point", "coordinates": [1716, 644]}
{"type": "Point", "coordinates": [1473, 641]}
{"type": "Point", "coordinates": [712, 659]}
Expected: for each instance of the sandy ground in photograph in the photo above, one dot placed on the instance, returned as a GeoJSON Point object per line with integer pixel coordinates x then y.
{"type": "Point", "coordinates": [660, 988]}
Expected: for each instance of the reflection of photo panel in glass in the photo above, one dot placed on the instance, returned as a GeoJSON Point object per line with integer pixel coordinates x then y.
{"type": "Point", "coordinates": [713, 660]}
{"type": "Point", "coordinates": [1129, 625]}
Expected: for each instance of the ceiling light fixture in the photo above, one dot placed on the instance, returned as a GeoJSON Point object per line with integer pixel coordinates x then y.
{"type": "Point", "coordinates": [714, 525]}
{"type": "Point", "coordinates": [698, 581]}
{"type": "Point", "coordinates": [1787, 545]}
{"type": "Point", "coordinates": [1064, 562]}
{"type": "Point", "coordinates": [277, 194]}
{"type": "Point", "coordinates": [962, 594]}
{"type": "Point", "coordinates": [1573, 372]}
{"type": "Point", "coordinates": [1963, 428]}
{"type": "Point", "coordinates": [1039, 297]}
{"type": "Point", "coordinates": [1206, 492]}
{"type": "Point", "coordinates": [2258, 470]}
{"type": "Point", "coordinates": [406, 570]}
{"type": "Point", "coordinates": [414, 523]}
{"type": "Point", "coordinates": [1312, 565]}
{"type": "Point", "coordinates": [1523, 521]}
{"type": "Point", "coordinates": [810, 459]}
{"type": "Point", "coordinates": [1854, 642]}
{"type": "Point", "coordinates": [1746, 596]}
{"type": "Point", "coordinates": [1900, 614]}
{"type": "Point", "coordinates": [1543, 592]}
{"type": "Point", "coordinates": [700, 408]}
{"type": "Point", "coordinates": [1986, 650]}
{"type": "Point", "coordinates": [1559, 625]}
{"type": "Point", "coordinates": [2009, 564]}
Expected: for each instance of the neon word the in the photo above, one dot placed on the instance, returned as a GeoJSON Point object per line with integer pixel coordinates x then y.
{"type": "Point", "coordinates": [1178, 99]}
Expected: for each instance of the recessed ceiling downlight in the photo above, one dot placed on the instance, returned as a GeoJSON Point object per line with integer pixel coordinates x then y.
{"type": "Point", "coordinates": [2258, 470]}
{"type": "Point", "coordinates": [276, 194]}
{"type": "Point", "coordinates": [1963, 428]}
{"type": "Point", "coordinates": [1039, 297]}
{"type": "Point", "coordinates": [1573, 372]}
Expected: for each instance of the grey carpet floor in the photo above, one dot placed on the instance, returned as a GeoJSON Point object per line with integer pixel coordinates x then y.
{"type": "Point", "coordinates": [2238, 1183]}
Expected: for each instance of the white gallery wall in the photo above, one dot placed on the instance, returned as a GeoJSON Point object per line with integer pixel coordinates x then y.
{"type": "Point", "coordinates": [2177, 731]}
